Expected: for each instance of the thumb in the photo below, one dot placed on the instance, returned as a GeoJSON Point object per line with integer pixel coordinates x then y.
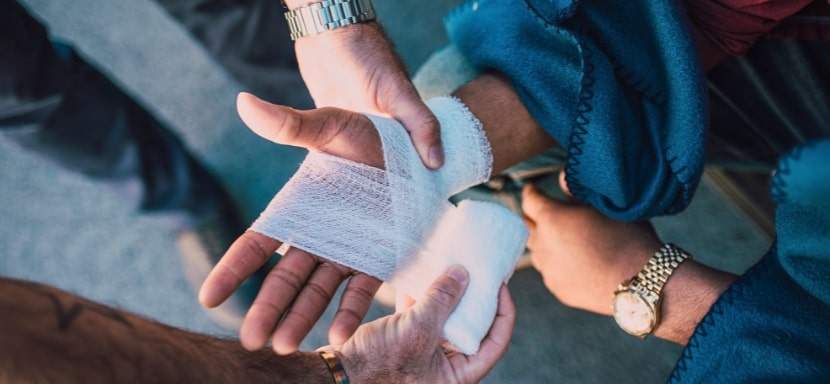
{"type": "Point", "coordinates": [442, 296]}
{"type": "Point", "coordinates": [535, 205]}
{"type": "Point", "coordinates": [284, 125]}
{"type": "Point", "coordinates": [563, 184]}
{"type": "Point", "coordinates": [335, 131]}
{"type": "Point", "coordinates": [420, 122]}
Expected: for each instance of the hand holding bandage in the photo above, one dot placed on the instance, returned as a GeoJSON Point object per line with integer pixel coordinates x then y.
{"type": "Point", "coordinates": [396, 223]}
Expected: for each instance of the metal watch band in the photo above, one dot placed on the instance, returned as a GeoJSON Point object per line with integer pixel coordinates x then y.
{"type": "Point", "coordinates": [660, 267]}
{"type": "Point", "coordinates": [338, 373]}
{"type": "Point", "coordinates": [326, 15]}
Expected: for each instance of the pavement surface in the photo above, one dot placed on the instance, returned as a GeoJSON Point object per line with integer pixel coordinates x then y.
{"type": "Point", "coordinates": [84, 236]}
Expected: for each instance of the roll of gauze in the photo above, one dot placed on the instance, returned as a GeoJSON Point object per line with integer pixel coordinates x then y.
{"type": "Point", "coordinates": [487, 239]}
{"type": "Point", "coordinates": [398, 225]}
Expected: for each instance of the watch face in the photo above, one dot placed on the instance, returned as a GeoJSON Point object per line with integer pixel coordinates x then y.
{"type": "Point", "coordinates": [633, 314]}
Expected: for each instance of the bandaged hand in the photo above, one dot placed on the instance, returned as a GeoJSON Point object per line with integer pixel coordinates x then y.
{"type": "Point", "coordinates": [397, 224]}
{"type": "Point", "coordinates": [392, 222]}
{"type": "Point", "coordinates": [301, 285]}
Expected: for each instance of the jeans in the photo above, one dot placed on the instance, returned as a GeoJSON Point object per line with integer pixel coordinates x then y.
{"type": "Point", "coordinates": [55, 103]}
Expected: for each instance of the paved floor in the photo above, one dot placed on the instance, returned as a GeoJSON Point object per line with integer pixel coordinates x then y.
{"type": "Point", "coordinates": [81, 235]}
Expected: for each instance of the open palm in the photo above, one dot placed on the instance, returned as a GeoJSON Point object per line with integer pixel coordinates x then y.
{"type": "Point", "coordinates": [299, 288]}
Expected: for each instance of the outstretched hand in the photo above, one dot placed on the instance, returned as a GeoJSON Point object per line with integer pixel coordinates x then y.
{"type": "Point", "coordinates": [299, 288]}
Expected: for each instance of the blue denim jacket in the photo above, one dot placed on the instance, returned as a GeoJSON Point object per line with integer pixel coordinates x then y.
{"type": "Point", "coordinates": [773, 324]}
{"type": "Point", "coordinates": [616, 83]}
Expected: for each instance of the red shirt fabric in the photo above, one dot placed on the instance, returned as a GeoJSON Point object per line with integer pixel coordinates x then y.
{"type": "Point", "coordinates": [724, 28]}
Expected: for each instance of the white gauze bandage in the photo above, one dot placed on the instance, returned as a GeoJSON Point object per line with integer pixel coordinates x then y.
{"type": "Point", "coordinates": [398, 225]}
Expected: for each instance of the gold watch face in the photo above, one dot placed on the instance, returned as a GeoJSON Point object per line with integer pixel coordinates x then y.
{"type": "Point", "coordinates": [633, 314]}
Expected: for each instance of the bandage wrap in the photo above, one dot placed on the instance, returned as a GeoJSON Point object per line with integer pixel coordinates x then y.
{"type": "Point", "coordinates": [398, 225]}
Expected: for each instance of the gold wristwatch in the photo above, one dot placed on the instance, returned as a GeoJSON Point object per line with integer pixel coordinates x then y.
{"type": "Point", "coordinates": [637, 300]}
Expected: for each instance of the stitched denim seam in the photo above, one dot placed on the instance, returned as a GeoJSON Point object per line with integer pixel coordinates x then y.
{"type": "Point", "coordinates": [584, 106]}
{"type": "Point", "coordinates": [779, 185]}
{"type": "Point", "coordinates": [657, 95]}
{"type": "Point", "coordinates": [545, 24]}
{"type": "Point", "coordinates": [580, 126]}
{"type": "Point", "coordinates": [734, 293]}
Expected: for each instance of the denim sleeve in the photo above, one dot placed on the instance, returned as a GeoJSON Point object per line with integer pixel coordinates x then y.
{"type": "Point", "coordinates": [773, 324]}
{"type": "Point", "coordinates": [764, 328]}
{"type": "Point", "coordinates": [616, 83]}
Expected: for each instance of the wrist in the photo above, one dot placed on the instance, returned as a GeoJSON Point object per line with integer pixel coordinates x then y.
{"type": "Point", "coordinates": [344, 38]}
{"type": "Point", "coordinates": [319, 369]}
{"type": "Point", "coordinates": [513, 133]}
{"type": "Point", "coordinates": [353, 364]}
{"type": "Point", "coordinates": [669, 296]}
{"type": "Point", "coordinates": [323, 17]}
{"type": "Point", "coordinates": [265, 367]}
{"type": "Point", "coordinates": [334, 363]}
{"type": "Point", "coordinates": [688, 297]}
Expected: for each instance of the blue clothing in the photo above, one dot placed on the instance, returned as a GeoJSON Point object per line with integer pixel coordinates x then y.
{"type": "Point", "coordinates": [617, 83]}
{"type": "Point", "coordinates": [773, 324]}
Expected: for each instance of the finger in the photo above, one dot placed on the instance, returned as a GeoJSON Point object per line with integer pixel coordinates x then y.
{"type": "Point", "coordinates": [335, 131]}
{"type": "Point", "coordinates": [424, 128]}
{"type": "Point", "coordinates": [442, 297]}
{"type": "Point", "coordinates": [278, 290]}
{"type": "Point", "coordinates": [247, 254]}
{"type": "Point", "coordinates": [531, 225]}
{"type": "Point", "coordinates": [308, 307]}
{"type": "Point", "coordinates": [403, 302]}
{"type": "Point", "coordinates": [497, 341]}
{"type": "Point", "coordinates": [534, 203]}
{"type": "Point", "coordinates": [284, 125]}
{"type": "Point", "coordinates": [354, 303]}
{"type": "Point", "coordinates": [563, 184]}
{"type": "Point", "coordinates": [537, 207]}
{"type": "Point", "coordinates": [532, 236]}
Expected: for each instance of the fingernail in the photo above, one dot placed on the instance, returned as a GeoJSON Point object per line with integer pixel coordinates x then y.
{"type": "Point", "coordinates": [458, 273]}
{"type": "Point", "coordinates": [246, 94]}
{"type": "Point", "coordinates": [436, 156]}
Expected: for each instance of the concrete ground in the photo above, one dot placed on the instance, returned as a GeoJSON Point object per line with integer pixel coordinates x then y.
{"type": "Point", "coordinates": [83, 236]}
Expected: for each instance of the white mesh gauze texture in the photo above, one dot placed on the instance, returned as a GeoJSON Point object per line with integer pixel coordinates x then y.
{"type": "Point", "coordinates": [398, 225]}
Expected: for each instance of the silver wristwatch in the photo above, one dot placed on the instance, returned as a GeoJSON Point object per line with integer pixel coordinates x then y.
{"type": "Point", "coordinates": [326, 15]}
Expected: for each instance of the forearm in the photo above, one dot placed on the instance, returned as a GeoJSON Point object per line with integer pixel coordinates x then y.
{"type": "Point", "coordinates": [52, 336]}
{"type": "Point", "coordinates": [513, 133]}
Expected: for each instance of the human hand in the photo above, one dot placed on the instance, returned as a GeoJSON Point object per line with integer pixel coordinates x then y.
{"type": "Point", "coordinates": [298, 289]}
{"type": "Point", "coordinates": [582, 255]}
{"type": "Point", "coordinates": [407, 347]}
{"type": "Point", "coordinates": [356, 68]}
